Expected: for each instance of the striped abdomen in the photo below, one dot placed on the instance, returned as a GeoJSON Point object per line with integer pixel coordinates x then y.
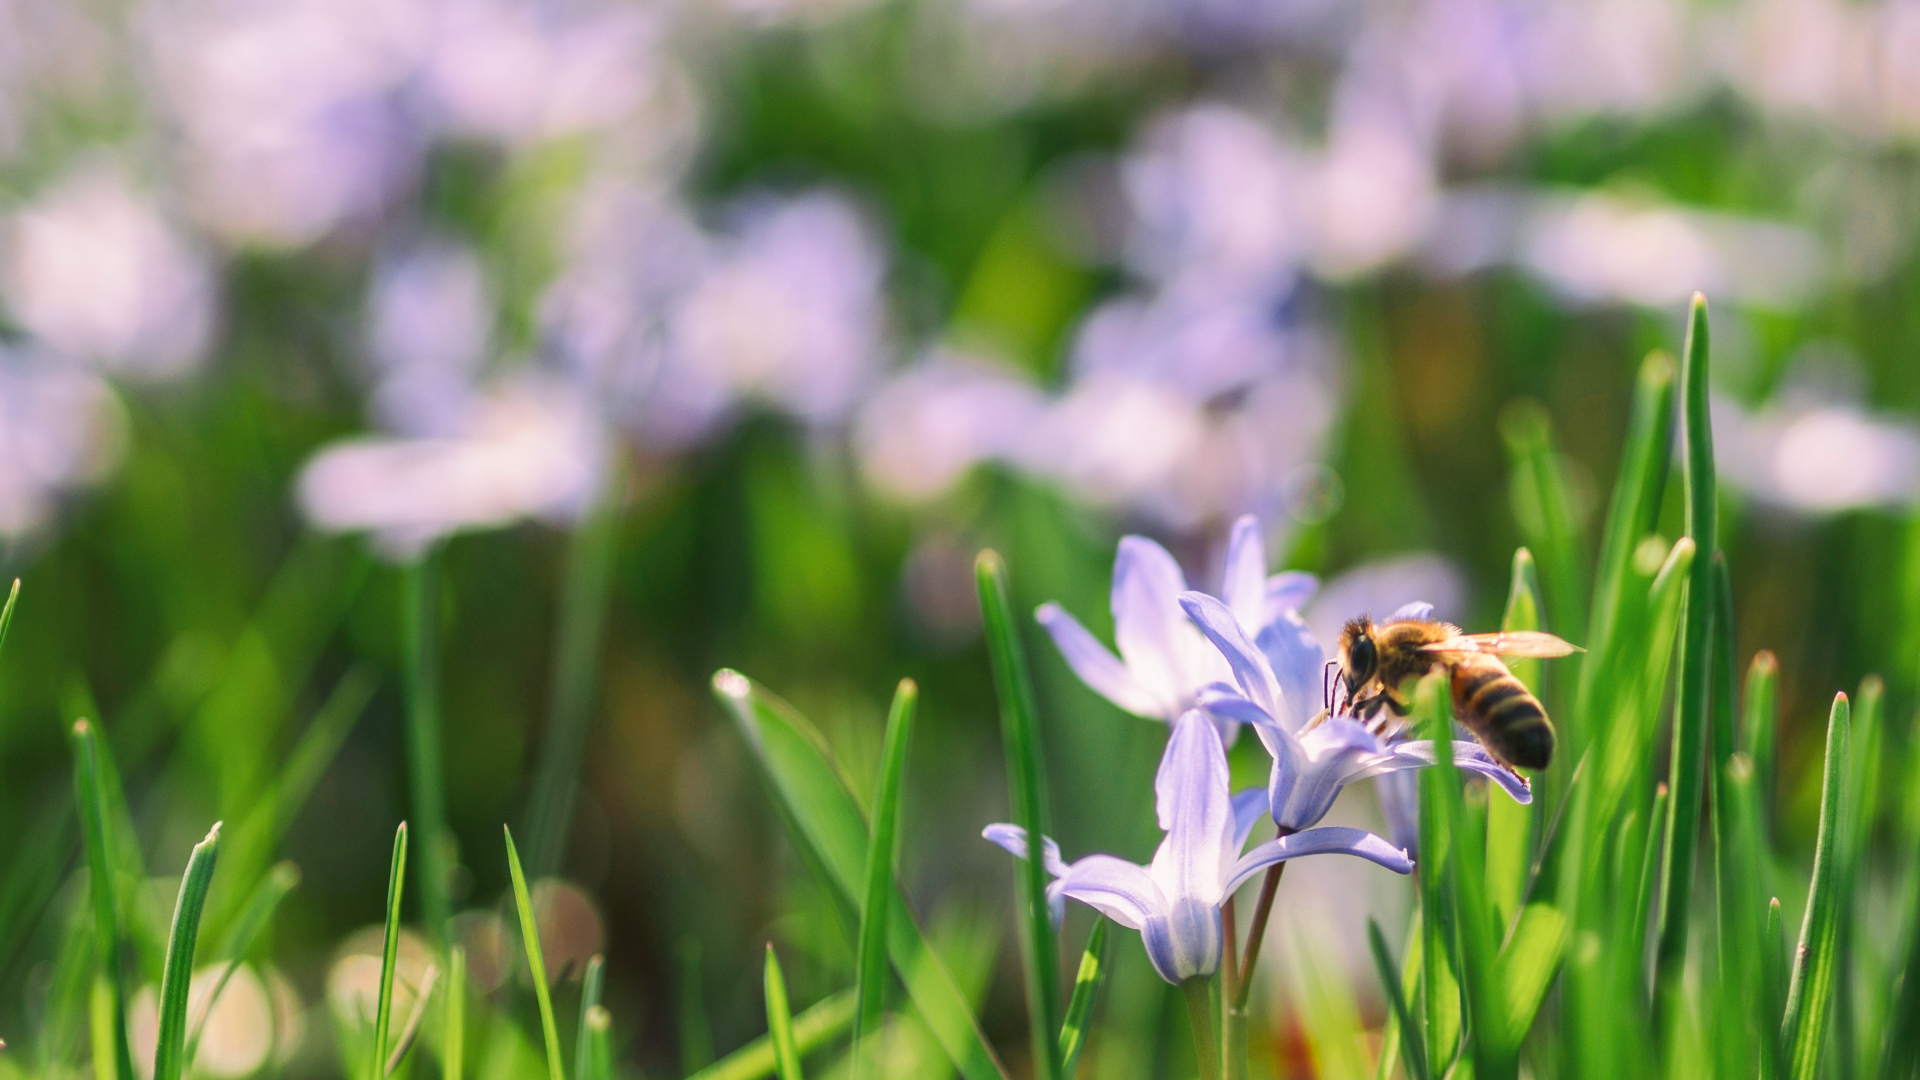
{"type": "Point", "coordinates": [1498, 708]}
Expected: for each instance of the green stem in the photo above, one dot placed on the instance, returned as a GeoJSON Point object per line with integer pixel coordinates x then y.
{"type": "Point", "coordinates": [420, 631]}
{"type": "Point", "coordinates": [1206, 1042]}
{"type": "Point", "coordinates": [1257, 929]}
{"type": "Point", "coordinates": [576, 666]}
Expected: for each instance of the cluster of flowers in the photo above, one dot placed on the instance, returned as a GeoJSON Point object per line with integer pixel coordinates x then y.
{"type": "Point", "coordinates": [1207, 665]}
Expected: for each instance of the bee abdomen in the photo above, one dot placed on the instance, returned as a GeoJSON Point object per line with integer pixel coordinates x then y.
{"type": "Point", "coordinates": [1506, 716]}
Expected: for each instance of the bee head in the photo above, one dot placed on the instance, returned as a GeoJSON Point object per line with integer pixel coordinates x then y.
{"type": "Point", "coordinates": [1358, 656]}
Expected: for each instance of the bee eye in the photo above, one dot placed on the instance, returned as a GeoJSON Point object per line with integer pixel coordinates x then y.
{"type": "Point", "coordinates": [1362, 659]}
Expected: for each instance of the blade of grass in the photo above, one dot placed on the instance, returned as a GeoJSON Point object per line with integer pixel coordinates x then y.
{"type": "Point", "coordinates": [420, 644]}
{"type": "Point", "coordinates": [1856, 833]}
{"type": "Point", "coordinates": [1722, 738]}
{"type": "Point", "coordinates": [1545, 509]}
{"type": "Point", "coordinates": [240, 941]}
{"type": "Point", "coordinates": [389, 954]}
{"type": "Point", "coordinates": [6, 613]}
{"type": "Point", "coordinates": [536, 965]}
{"type": "Point", "coordinates": [1026, 782]}
{"type": "Point", "coordinates": [453, 1038]}
{"type": "Point", "coordinates": [1526, 965]}
{"type": "Point", "coordinates": [177, 978]}
{"type": "Point", "coordinates": [1410, 1043]}
{"type": "Point", "coordinates": [93, 817]}
{"type": "Point", "coordinates": [410, 1031]}
{"type": "Point", "coordinates": [591, 550]}
{"type": "Point", "coordinates": [786, 1054]}
{"type": "Point", "coordinates": [1086, 993]}
{"type": "Point", "coordinates": [252, 841]}
{"type": "Point", "coordinates": [870, 966]}
{"type": "Point", "coordinates": [1634, 513]}
{"type": "Point", "coordinates": [1456, 879]}
{"type": "Point", "coordinates": [1690, 720]}
{"type": "Point", "coordinates": [831, 835]}
{"type": "Point", "coordinates": [590, 990]}
{"type": "Point", "coordinates": [1510, 824]}
{"type": "Point", "coordinates": [1901, 1050]}
{"type": "Point", "coordinates": [1810, 993]}
{"type": "Point", "coordinates": [1760, 724]}
{"type": "Point", "coordinates": [599, 1028]}
{"type": "Point", "coordinates": [1440, 990]}
{"type": "Point", "coordinates": [1746, 957]}
{"type": "Point", "coordinates": [815, 1027]}
{"type": "Point", "coordinates": [696, 1033]}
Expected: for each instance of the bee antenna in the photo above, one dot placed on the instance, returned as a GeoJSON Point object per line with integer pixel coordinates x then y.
{"type": "Point", "coordinates": [1328, 683]}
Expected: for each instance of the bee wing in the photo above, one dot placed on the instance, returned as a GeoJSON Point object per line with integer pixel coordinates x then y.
{"type": "Point", "coordinates": [1529, 643]}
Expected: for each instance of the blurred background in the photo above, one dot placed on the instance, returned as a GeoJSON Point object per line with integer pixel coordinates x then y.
{"type": "Point", "coordinates": [755, 319]}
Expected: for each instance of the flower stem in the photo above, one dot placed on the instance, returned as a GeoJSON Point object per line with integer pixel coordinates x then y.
{"type": "Point", "coordinates": [1233, 1016]}
{"type": "Point", "coordinates": [419, 630]}
{"type": "Point", "coordinates": [1206, 1045]}
{"type": "Point", "coordinates": [1257, 931]}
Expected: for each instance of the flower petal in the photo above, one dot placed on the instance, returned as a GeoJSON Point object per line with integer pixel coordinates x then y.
{"type": "Point", "coordinates": [1298, 663]}
{"type": "Point", "coordinates": [1096, 665]}
{"type": "Point", "coordinates": [1185, 942]}
{"type": "Point", "coordinates": [1331, 755]}
{"type": "Point", "coordinates": [1399, 795]}
{"type": "Point", "coordinates": [1328, 841]}
{"type": "Point", "coordinates": [1249, 807]}
{"type": "Point", "coordinates": [1244, 586]}
{"type": "Point", "coordinates": [1250, 668]}
{"type": "Point", "coordinates": [1196, 812]}
{"type": "Point", "coordinates": [1289, 590]}
{"type": "Point", "coordinates": [1418, 611]}
{"type": "Point", "coordinates": [1116, 888]}
{"type": "Point", "coordinates": [1014, 839]}
{"type": "Point", "coordinates": [1147, 623]}
{"type": "Point", "coordinates": [1470, 757]}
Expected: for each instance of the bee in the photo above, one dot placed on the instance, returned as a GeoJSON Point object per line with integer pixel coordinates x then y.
{"type": "Point", "coordinates": [1508, 720]}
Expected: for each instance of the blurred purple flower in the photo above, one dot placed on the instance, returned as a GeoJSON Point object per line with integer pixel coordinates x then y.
{"type": "Point", "coordinates": [1164, 662]}
{"type": "Point", "coordinates": [1174, 901]}
{"type": "Point", "coordinates": [95, 272]}
{"type": "Point", "coordinates": [60, 429]}
{"type": "Point", "coordinates": [1312, 761]}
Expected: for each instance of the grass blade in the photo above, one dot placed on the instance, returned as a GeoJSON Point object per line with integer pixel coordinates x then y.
{"type": "Point", "coordinates": [696, 1031]}
{"type": "Point", "coordinates": [590, 990]}
{"type": "Point", "coordinates": [1690, 719]}
{"type": "Point", "coordinates": [389, 953]}
{"type": "Point", "coordinates": [1026, 782]}
{"type": "Point", "coordinates": [786, 1054]}
{"type": "Point", "coordinates": [1810, 993]}
{"type": "Point", "coordinates": [831, 835]}
{"type": "Point", "coordinates": [240, 940]}
{"type": "Point", "coordinates": [576, 665]}
{"type": "Point", "coordinates": [420, 642]}
{"type": "Point", "coordinates": [1746, 958]}
{"type": "Point", "coordinates": [1545, 509]}
{"type": "Point", "coordinates": [870, 966]}
{"type": "Point", "coordinates": [1527, 962]}
{"type": "Point", "coordinates": [598, 1024]}
{"type": "Point", "coordinates": [410, 1031]}
{"type": "Point", "coordinates": [254, 838]}
{"type": "Point", "coordinates": [536, 964]}
{"type": "Point", "coordinates": [1086, 993]}
{"type": "Point", "coordinates": [1439, 985]}
{"type": "Point", "coordinates": [106, 917]}
{"type": "Point", "coordinates": [169, 1054]}
{"type": "Point", "coordinates": [6, 613]}
{"type": "Point", "coordinates": [1856, 833]}
{"type": "Point", "coordinates": [453, 1038]}
{"type": "Point", "coordinates": [1633, 514]}
{"type": "Point", "coordinates": [1410, 1043]}
{"type": "Point", "coordinates": [815, 1027]}
{"type": "Point", "coordinates": [1760, 727]}
{"type": "Point", "coordinates": [1509, 824]}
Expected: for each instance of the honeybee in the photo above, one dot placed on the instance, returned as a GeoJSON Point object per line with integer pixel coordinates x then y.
{"type": "Point", "coordinates": [1379, 661]}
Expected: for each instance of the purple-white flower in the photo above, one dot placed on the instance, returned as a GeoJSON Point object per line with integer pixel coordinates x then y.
{"type": "Point", "coordinates": [1164, 662]}
{"type": "Point", "coordinates": [1312, 762]}
{"type": "Point", "coordinates": [1175, 900]}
